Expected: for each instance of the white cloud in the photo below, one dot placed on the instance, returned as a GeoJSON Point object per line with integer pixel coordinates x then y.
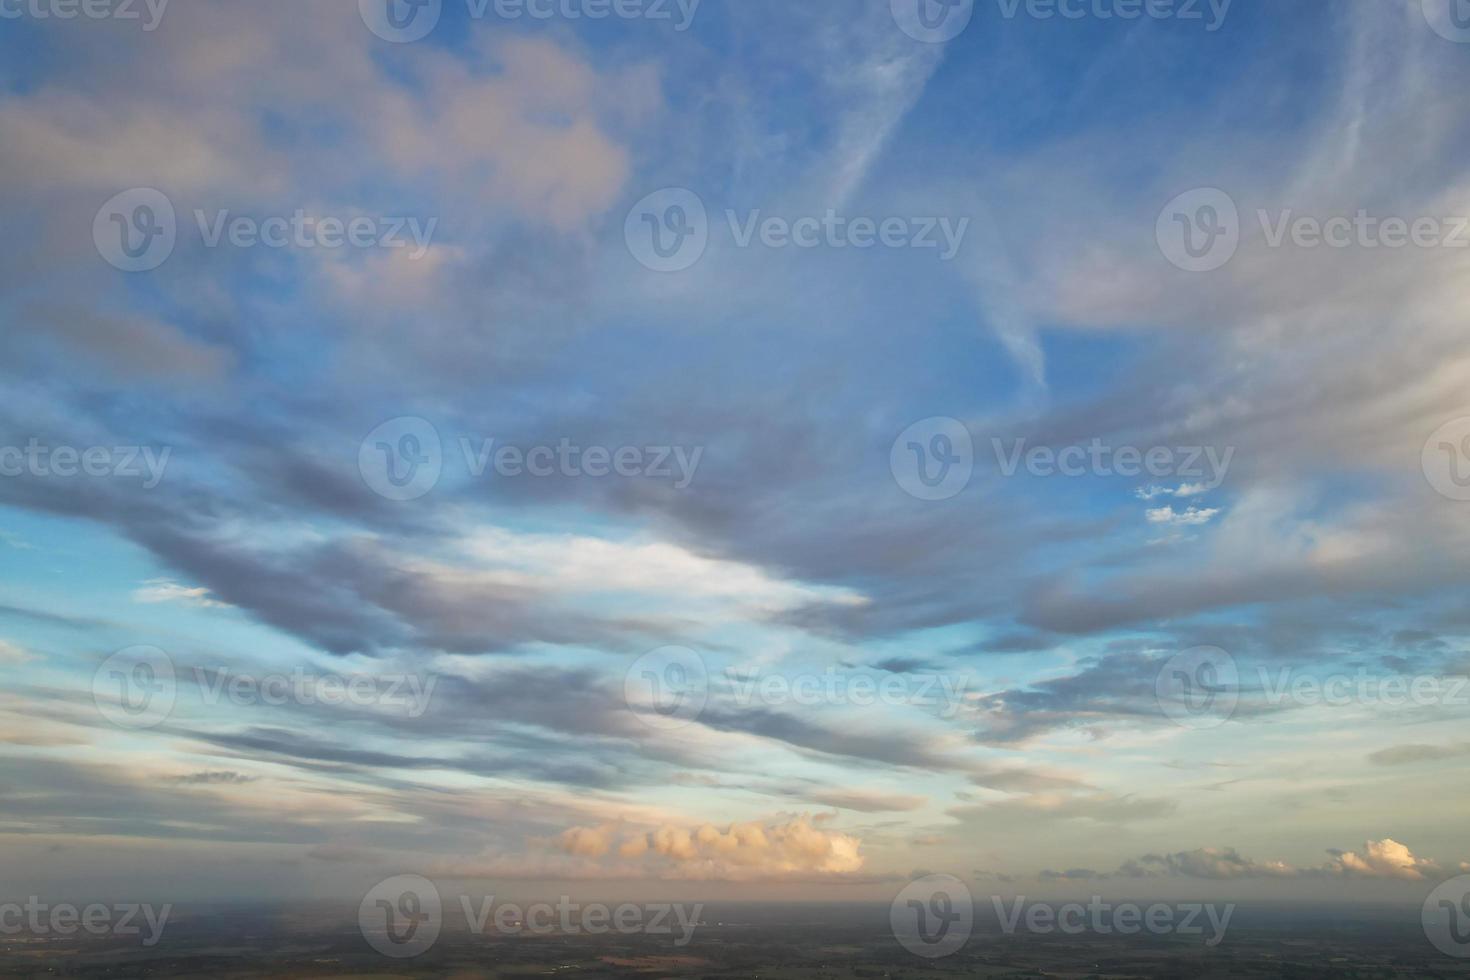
{"type": "Point", "coordinates": [12, 654]}
{"type": "Point", "coordinates": [1192, 517]}
{"type": "Point", "coordinates": [580, 564]}
{"type": "Point", "coordinates": [162, 590]}
{"type": "Point", "coordinates": [795, 845]}
{"type": "Point", "coordinates": [1382, 859]}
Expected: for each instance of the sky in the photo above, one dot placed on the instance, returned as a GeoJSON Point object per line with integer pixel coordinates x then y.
{"type": "Point", "coordinates": [738, 449]}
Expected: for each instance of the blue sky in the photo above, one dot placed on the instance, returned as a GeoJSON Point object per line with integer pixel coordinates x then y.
{"type": "Point", "coordinates": [774, 528]}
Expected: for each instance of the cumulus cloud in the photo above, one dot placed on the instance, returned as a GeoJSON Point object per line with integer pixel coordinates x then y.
{"type": "Point", "coordinates": [790, 846]}
{"type": "Point", "coordinates": [1385, 858]}
{"type": "Point", "coordinates": [1192, 517]}
{"type": "Point", "coordinates": [1381, 859]}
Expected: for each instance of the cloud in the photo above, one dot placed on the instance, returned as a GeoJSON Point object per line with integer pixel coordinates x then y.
{"type": "Point", "coordinates": [10, 653]}
{"type": "Point", "coordinates": [795, 845]}
{"type": "Point", "coordinates": [220, 778]}
{"type": "Point", "coordinates": [1382, 859]}
{"type": "Point", "coordinates": [1183, 490]}
{"type": "Point", "coordinates": [1402, 755]}
{"type": "Point", "coordinates": [1215, 863]}
{"type": "Point", "coordinates": [1193, 517]}
{"type": "Point", "coordinates": [868, 801]}
{"type": "Point", "coordinates": [163, 590]}
{"type": "Point", "coordinates": [1376, 859]}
